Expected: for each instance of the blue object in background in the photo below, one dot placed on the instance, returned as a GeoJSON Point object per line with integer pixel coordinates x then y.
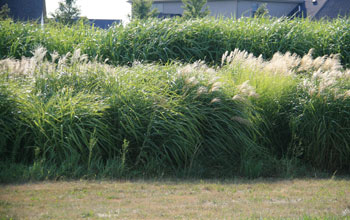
{"type": "Point", "coordinates": [25, 9]}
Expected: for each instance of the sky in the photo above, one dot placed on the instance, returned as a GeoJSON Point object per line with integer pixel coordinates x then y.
{"type": "Point", "coordinates": [97, 9]}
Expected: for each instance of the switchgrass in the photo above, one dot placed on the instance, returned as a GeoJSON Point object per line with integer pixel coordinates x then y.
{"type": "Point", "coordinates": [181, 40]}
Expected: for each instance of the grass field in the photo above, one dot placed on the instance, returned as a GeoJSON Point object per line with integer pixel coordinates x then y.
{"type": "Point", "coordinates": [231, 199]}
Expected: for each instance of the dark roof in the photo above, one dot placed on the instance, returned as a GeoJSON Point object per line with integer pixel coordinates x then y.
{"type": "Point", "coordinates": [313, 8]}
{"type": "Point", "coordinates": [280, 1]}
{"type": "Point", "coordinates": [299, 11]}
{"type": "Point", "coordinates": [327, 8]}
{"type": "Point", "coordinates": [25, 9]}
{"type": "Point", "coordinates": [283, 1]}
{"type": "Point", "coordinates": [334, 8]}
{"type": "Point", "coordinates": [103, 23]}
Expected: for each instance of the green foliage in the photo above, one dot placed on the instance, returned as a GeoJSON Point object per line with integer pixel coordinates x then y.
{"type": "Point", "coordinates": [142, 9]}
{"type": "Point", "coordinates": [4, 12]}
{"type": "Point", "coordinates": [7, 121]}
{"type": "Point", "coordinates": [77, 117]}
{"type": "Point", "coordinates": [72, 118]}
{"type": "Point", "coordinates": [195, 9]}
{"type": "Point", "coordinates": [320, 132]}
{"type": "Point", "coordinates": [67, 12]}
{"type": "Point", "coordinates": [84, 20]}
{"type": "Point", "coordinates": [262, 11]}
{"type": "Point", "coordinates": [182, 40]}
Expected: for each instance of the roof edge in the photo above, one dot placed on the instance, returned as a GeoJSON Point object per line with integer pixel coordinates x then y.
{"type": "Point", "coordinates": [279, 1]}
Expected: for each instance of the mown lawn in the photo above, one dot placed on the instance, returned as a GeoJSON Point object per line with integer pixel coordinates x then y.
{"type": "Point", "coordinates": [172, 199]}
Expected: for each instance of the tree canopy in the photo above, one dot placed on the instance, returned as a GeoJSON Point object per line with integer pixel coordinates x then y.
{"type": "Point", "coordinates": [142, 9]}
{"type": "Point", "coordinates": [195, 8]}
{"type": "Point", "coordinates": [67, 12]}
{"type": "Point", "coordinates": [262, 11]}
{"type": "Point", "coordinates": [4, 12]}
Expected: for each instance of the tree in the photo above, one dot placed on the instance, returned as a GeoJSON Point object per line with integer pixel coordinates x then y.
{"type": "Point", "coordinates": [4, 12]}
{"type": "Point", "coordinates": [142, 9]}
{"type": "Point", "coordinates": [262, 11]}
{"type": "Point", "coordinates": [194, 8]}
{"type": "Point", "coordinates": [67, 12]}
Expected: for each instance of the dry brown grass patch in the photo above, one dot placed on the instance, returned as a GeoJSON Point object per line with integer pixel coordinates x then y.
{"type": "Point", "coordinates": [177, 200]}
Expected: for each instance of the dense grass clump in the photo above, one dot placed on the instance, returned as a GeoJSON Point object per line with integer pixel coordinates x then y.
{"type": "Point", "coordinates": [80, 118]}
{"type": "Point", "coordinates": [71, 117]}
{"type": "Point", "coordinates": [182, 40]}
{"type": "Point", "coordinates": [302, 105]}
{"type": "Point", "coordinates": [7, 119]}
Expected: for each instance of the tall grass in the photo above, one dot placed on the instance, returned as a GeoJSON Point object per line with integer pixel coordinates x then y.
{"type": "Point", "coordinates": [182, 40]}
{"type": "Point", "coordinates": [321, 128]}
{"type": "Point", "coordinates": [7, 119]}
{"type": "Point", "coordinates": [271, 88]}
{"type": "Point", "coordinates": [302, 105]}
{"type": "Point", "coordinates": [147, 119]}
{"type": "Point", "coordinates": [72, 117]}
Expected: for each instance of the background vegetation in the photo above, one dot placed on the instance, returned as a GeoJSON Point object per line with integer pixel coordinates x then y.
{"type": "Point", "coordinates": [142, 9]}
{"type": "Point", "coordinates": [182, 40]}
{"type": "Point", "coordinates": [195, 9]}
{"type": "Point", "coordinates": [67, 12]}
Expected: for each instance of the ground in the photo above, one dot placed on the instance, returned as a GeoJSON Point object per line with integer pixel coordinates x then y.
{"type": "Point", "coordinates": [175, 199]}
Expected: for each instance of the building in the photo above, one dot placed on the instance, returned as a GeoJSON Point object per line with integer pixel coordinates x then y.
{"type": "Point", "coordinates": [327, 8]}
{"type": "Point", "coordinates": [104, 23]}
{"type": "Point", "coordinates": [235, 8]}
{"type": "Point", "coordinates": [35, 9]}
{"type": "Point", "coordinates": [25, 9]}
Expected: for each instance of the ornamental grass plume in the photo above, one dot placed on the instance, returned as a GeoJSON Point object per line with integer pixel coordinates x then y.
{"type": "Point", "coordinates": [216, 86]}
{"type": "Point", "coordinates": [21, 67]}
{"type": "Point", "coordinates": [325, 63]}
{"type": "Point", "coordinates": [39, 54]}
{"type": "Point", "coordinates": [325, 76]}
{"type": "Point", "coordinates": [282, 63]}
{"type": "Point", "coordinates": [77, 57]}
{"type": "Point", "coordinates": [246, 90]}
{"type": "Point", "coordinates": [202, 90]}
